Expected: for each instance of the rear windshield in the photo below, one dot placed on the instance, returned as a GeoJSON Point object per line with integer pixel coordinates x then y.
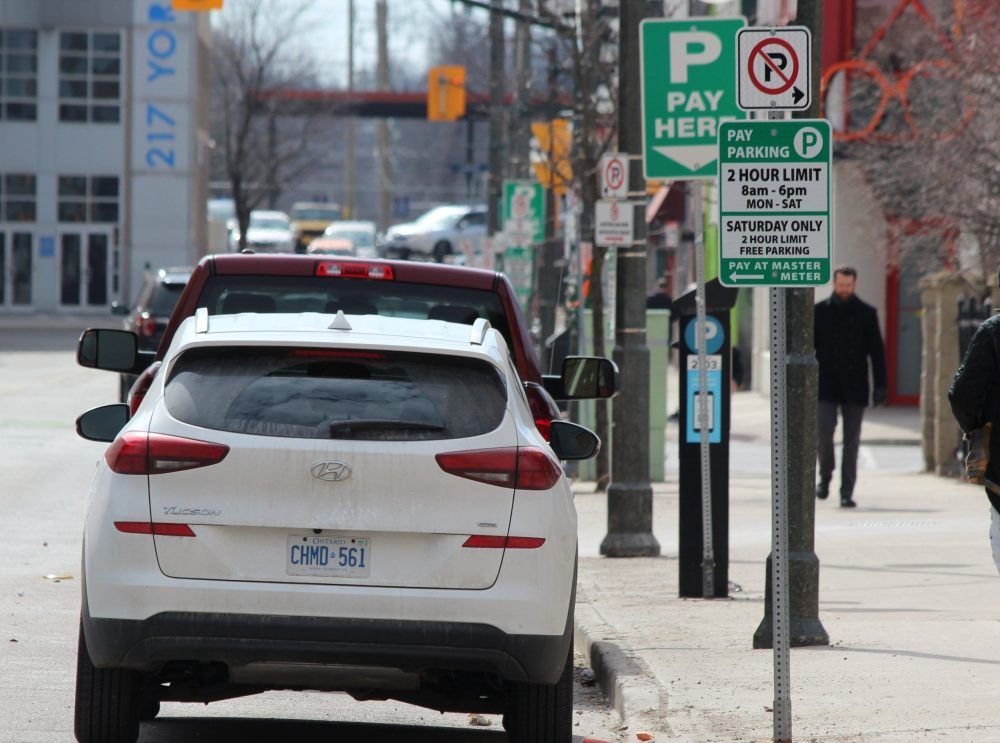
{"type": "Point", "coordinates": [227, 295]}
{"type": "Point", "coordinates": [165, 298]}
{"type": "Point", "coordinates": [336, 394]}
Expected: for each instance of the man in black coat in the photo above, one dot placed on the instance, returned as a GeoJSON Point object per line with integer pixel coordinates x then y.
{"type": "Point", "coordinates": [847, 336]}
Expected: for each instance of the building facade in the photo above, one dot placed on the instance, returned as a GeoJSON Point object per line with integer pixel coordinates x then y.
{"type": "Point", "coordinates": [103, 149]}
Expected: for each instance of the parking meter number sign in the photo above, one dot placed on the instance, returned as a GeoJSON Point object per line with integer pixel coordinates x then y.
{"type": "Point", "coordinates": [524, 211]}
{"type": "Point", "coordinates": [774, 203]}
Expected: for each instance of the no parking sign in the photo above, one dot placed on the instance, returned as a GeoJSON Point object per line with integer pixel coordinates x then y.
{"type": "Point", "coordinates": [773, 68]}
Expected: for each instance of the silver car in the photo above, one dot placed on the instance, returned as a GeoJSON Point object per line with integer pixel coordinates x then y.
{"type": "Point", "coordinates": [449, 230]}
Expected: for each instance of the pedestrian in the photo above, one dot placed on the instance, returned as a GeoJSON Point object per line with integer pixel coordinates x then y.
{"type": "Point", "coordinates": [660, 299]}
{"type": "Point", "coordinates": [975, 403]}
{"type": "Point", "coordinates": [847, 338]}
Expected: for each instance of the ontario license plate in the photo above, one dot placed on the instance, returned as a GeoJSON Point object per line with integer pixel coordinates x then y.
{"type": "Point", "coordinates": [329, 555]}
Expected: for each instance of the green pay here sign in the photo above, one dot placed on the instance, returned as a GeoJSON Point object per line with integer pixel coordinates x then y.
{"type": "Point", "coordinates": [688, 79]}
{"type": "Point", "coordinates": [774, 202]}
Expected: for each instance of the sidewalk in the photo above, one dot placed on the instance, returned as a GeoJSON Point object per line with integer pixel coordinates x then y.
{"type": "Point", "coordinates": [908, 594]}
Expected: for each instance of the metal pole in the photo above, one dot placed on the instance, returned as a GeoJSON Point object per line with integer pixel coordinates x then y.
{"type": "Point", "coordinates": [352, 162]}
{"type": "Point", "coordinates": [708, 548]}
{"type": "Point", "coordinates": [384, 171]}
{"type": "Point", "coordinates": [779, 525]}
{"type": "Point", "coordinates": [496, 152]}
{"type": "Point", "coordinates": [630, 496]}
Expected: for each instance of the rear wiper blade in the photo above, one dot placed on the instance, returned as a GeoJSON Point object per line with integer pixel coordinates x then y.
{"type": "Point", "coordinates": [376, 424]}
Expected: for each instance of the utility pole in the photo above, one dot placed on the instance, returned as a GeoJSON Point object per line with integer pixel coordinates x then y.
{"type": "Point", "coordinates": [630, 496]}
{"type": "Point", "coordinates": [548, 271]}
{"type": "Point", "coordinates": [803, 388]}
{"type": "Point", "coordinates": [384, 167]}
{"type": "Point", "coordinates": [496, 154]}
{"type": "Point", "coordinates": [352, 162]}
{"type": "Point", "coordinates": [518, 162]}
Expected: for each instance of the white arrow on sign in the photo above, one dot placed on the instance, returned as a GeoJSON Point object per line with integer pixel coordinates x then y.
{"type": "Point", "coordinates": [691, 157]}
{"type": "Point", "coordinates": [738, 276]}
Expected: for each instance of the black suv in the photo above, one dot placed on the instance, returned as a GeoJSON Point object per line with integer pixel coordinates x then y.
{"type": "Point", "coordinates": [151, 311]}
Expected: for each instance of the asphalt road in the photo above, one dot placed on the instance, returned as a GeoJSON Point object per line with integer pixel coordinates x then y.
{"type": "Point", "coordinates": [45, 471]}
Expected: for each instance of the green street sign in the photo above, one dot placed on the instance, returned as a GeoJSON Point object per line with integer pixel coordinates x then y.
{"type": "Point", "coordinates": [519, 265]}
{"type": "Point", "coordinates": [774, 202]}
{"type": "Point", "coordinates": [524, 211]}
{"type": "Point", "coordinates": [688, 88]}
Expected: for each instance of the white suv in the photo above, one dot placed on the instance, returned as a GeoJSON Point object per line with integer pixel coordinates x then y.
{"type": "Point", "coordinates": [343, 503]}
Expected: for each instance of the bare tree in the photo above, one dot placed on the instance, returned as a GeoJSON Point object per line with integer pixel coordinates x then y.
{"type": "Point", "coordinates": [263, 143]}
{"type": "Point", "coordinates": [925, 124]}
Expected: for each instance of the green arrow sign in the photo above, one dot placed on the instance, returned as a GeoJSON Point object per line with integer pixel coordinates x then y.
{"type": "Point", "coordinates": [774, 202]}
{"type": "Point", "coordinates": [688, 88]}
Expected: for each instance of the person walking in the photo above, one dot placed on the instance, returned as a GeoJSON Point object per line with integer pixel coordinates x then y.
{"type": "Point", "coordinates": [975, 402]}
{"type": "Point", "coordinates": [847, 338]}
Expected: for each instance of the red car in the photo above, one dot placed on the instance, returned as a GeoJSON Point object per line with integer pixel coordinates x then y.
{"type": "Point", "coordinates": [233, 283]}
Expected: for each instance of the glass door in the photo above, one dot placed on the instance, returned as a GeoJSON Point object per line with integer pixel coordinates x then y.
{"type": "Point", "coordinates": [84, 268]}
{"type": "Point", "coordinates": [16, 268]}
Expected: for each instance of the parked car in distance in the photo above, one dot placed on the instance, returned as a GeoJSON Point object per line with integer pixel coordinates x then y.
{"type": "Point", "coordinates": [150, 312]}
{"type": "Point", "coordinates": [423, 547]}
{"type": "Point", "coordinates": [357, 238]}
{"type": "Point", "coordinates": [268, 232]}
{"type": "Point", "coordinates": [234, 283]}
{"type": "Point", "coordinates": [441, 232]}
{"type": "Point", "coordinates": [309, 219]}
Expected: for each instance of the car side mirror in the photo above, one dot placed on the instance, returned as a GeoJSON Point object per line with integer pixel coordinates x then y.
{"type": "Point", "coordinates": [117, 308]}
{"type": "Point", "coordinates": [570, 441]}
{"type": "Point", "coordinates": [112, 350]}
{"type": "Point", "coordinates": [103, 423]}
{"type": "Point", "coordinates": [584, 378]}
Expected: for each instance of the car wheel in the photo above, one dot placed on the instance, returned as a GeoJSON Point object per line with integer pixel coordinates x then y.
{"type": "Point", "coordinates": [540, 713]}
{"type": "Point", "coordinates": [107, 701]}
{"type": "Point", "coordinates": [441, 249]}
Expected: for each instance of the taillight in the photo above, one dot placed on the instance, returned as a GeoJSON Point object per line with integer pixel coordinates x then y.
{"type": "Point", "coordinates": [158, 528]}
{"type": "Point", "coordinates": [141, 386]}
{"type": "Point", "coordinates": [146, 325]}
{"type": "Point", "coordinates": [523, 468]}
{"type": "Point", "coordinates": [137, 453]}
{"type": "Point", "coordinates": [355, 270]}
{"type": "Point", "coordinates": [489, 541]}
{"type": "Point", "coordinates": [541, 410]}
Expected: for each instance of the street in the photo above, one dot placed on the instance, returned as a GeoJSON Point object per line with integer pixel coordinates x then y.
{"type": "Point", "coordinates": [46, 470]}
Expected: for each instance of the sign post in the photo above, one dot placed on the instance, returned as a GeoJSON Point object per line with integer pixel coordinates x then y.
{"type": "Point", "coordinates": [774, 217]}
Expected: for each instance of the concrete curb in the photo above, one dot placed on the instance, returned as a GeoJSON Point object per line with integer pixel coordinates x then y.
{"type": "Point", "coordinates": [45, 322]}
{"type": "Point", "coordinates": [625, 679]}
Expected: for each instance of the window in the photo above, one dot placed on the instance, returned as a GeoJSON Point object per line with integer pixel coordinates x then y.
{"type": "Point", "coordinates": [18, 74]}
{"type": "Point", "coordinates": [18, 196]}
{"type": "Point", "coordinates": [88, 199]}
{"type": "Point", "coordinates": [322, 393]}
{"type": "Point", "coordinates": [90, 77]}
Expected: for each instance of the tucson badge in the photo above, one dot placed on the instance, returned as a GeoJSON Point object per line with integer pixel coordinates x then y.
{"type": "Point", "coordinates": [333, 471]}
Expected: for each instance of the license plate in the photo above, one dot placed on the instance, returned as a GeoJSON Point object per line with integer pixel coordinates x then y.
{"type": "Point", "coordinates": [329, 555]}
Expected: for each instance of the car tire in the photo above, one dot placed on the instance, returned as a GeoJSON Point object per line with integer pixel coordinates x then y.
{"type": "Point", "coordinates": [441, 250]}
{"type": "Point", "coordinates": [542, 713]}
{"type": "Point", "coordinates": [108, 701]}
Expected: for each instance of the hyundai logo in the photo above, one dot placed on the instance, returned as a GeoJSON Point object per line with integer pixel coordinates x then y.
{"type": "Point", "coordinates": [331, 471]}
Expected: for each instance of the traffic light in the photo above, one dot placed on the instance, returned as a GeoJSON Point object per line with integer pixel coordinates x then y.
{"type": "Point", "coordinates": [197, 4]}
{"type": "Point", "coordinates": [446, 93]}
{"type": "Point", "coordinates": [550, 154]}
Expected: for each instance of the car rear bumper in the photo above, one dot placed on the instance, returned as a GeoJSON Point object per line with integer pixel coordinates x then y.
{"type": "Point", "coordinates": [242, 639]}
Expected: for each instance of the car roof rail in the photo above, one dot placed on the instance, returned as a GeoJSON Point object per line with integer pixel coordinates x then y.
{"type": "Point", "coordinates": [479, 329]}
